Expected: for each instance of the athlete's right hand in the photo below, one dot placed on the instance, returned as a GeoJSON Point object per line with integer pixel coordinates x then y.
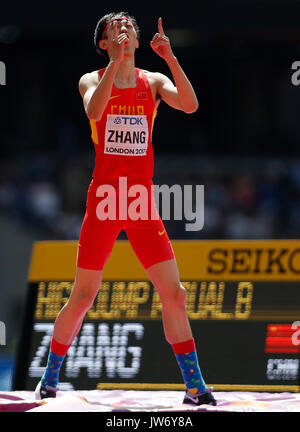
{"type": "Point", "coordinates": [119, 42]}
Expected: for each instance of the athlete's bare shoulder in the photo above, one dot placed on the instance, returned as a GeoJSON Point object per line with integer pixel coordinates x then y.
{"type": "Point", "coordinates": [89, 79]}
{"type": "Point", "coordinates": [157, 80]}
{"type": "Point", "coordinates": [154, 77]}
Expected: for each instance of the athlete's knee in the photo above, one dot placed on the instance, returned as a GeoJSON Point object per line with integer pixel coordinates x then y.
{"type": "Point", "coordinates": [181, 296]}
{"type": "Point", "coordinates": [83, 298]}
{"type": "Point", "coordinates": [175, 297]}
{"type": "Point", "coordinates": [84, 302]}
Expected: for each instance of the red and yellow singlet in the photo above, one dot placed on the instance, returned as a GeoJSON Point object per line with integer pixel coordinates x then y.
{"type": "Point", "coordinates": [123, 136]}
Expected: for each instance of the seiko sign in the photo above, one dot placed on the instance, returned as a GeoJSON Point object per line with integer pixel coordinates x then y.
{"type": "Point", "coordinates": [255, 261]}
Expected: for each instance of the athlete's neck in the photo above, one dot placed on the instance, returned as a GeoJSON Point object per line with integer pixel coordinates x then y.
{"type": "Point", "coordinates": [126, 76]}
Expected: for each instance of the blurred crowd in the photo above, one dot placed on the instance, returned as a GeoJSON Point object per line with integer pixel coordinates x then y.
{"type": "Point", "coordinates": [257, 202]}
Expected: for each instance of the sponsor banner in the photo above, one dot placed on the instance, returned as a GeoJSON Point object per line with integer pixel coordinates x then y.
{"type": "Point", "coordinates": [241, 260]}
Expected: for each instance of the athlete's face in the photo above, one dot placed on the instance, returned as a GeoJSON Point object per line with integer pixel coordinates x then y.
{"type": "Point", "coordinates": [119, 26]}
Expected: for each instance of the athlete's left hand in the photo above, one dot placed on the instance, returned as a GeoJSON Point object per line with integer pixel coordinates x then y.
{"type": "Point", "coordinates": [161, 43]}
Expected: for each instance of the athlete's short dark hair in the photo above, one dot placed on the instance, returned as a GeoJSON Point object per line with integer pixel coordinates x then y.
{"type": "Point", "coordinates": [102, 23]}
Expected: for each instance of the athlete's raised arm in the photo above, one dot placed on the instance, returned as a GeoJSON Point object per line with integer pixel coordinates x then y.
{"type": "Point", "coordinates": [95, 92]}
{"type": "Point", "coordinates": [181, 95]}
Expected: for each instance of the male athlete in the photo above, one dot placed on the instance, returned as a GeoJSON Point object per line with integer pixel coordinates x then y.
{"type": "Point", "coordinates": [120, 102]}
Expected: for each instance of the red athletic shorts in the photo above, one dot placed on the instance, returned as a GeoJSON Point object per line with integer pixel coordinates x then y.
{"type": "Point", "coordinates": [147, 236]}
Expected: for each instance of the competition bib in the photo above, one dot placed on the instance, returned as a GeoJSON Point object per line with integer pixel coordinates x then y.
{"type": "Point", "coordinates": [126, 135]}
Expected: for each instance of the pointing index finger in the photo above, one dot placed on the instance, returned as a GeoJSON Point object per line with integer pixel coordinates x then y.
{"type": "Point", "coordinates": [160, 27]}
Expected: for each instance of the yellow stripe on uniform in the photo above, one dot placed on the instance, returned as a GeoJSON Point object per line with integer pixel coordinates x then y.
{"type": "Point", "coordinates": [94, 132]}
{"type": "Point", "coordinates": [153, 118]}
